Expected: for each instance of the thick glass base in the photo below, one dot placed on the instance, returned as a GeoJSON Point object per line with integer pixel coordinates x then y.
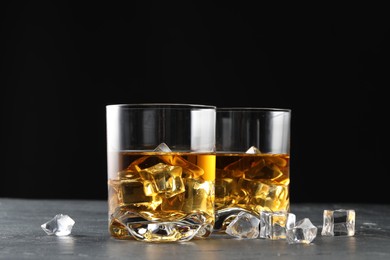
{"type": "Point", "coordinates": [131, 226]}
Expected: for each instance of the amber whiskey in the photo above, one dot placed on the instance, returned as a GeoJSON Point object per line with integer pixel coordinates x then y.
{"type": "Point", "coordinates": [250, 182]}
{"type": "Point", "coordinates": [160, 196]}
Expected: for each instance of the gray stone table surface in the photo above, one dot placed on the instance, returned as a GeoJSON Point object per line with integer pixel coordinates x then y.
{"type": "Point", "coordinates": [21, 236]}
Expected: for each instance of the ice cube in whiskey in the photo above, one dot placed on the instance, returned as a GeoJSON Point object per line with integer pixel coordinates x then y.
{"type": "Point", "coordinates": [251, 182]}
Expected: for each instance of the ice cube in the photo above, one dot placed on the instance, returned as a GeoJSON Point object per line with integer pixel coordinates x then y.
{"type": "Point", "coordinates": [165, 179]}
{"type": "Point", "coordinates": [340, 222]}
{"type": "Point", "coordinates": [304, 232]}
{"type": "Point", "coordinates": [189, 169]}
{"type": "Point", "coordinates": [59, 225]}
{"type": "Point", "coordinates": [253, 150]}
{"type": "Point", "coordinates": [245, 225]}
{"type": "Point", "coordinates": [198, 196]}
{"type": "Point", "coordinates": [273, 225]}
{"type": "Point", "coordinates": [266, 195]}
{"type": "Point", "coordinates": [163, 147]}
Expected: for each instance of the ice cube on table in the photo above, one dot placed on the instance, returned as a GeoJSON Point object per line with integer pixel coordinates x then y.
{"type": "Point", "coordinates": [245, 225]}
{"type": "Point", "coordinates": [59, 225]}
{"type": "Point", "coordinates": [339, 222]}
{"type": "Point", "coordinates": [303, 232]}
{"type": "Point", "coordinates": [273, 225]}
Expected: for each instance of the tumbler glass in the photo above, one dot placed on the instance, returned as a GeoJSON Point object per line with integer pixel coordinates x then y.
{"type": "Point", "coordinates": [161, 171]}
{"type": "Point", "coordinates": [252, 163]}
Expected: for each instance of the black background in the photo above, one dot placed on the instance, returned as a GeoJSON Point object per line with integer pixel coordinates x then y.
{"type": "Point", "coordinates": [62, 62]}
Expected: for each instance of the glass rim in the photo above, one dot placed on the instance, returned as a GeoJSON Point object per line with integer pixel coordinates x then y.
{"type": "Point", "coordinates": [254, 109]}
{"type": "Point", "coordinates": [162, 106]}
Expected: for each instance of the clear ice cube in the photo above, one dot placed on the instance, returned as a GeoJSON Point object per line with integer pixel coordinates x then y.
{"type": "Point", "coordinates": [303, 232]}
{"type": "Point", "coordinates": [244, 225]}
{"type": "Point", "coordinates": [163, 147]}
{"type": "Point", "coordinates": [59, 225]}
{"type": "Point", "coordinates": [340, 222]}
{"type": "Point", "coordinates": [273, 225]}
{"type": "Point", "coordinates": [253, 150]}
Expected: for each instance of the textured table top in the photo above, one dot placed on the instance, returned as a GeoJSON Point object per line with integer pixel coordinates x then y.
{"type": "Point", "coordinates": [21, 236]}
